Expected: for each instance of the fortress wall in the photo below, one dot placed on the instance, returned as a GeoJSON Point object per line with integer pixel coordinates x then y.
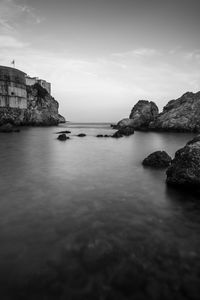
{"type": "Point", "coordinates": [12, 88]}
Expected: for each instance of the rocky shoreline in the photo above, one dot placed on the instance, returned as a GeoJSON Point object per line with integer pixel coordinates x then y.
{"type": "Point", "coordinates": [180, 115]}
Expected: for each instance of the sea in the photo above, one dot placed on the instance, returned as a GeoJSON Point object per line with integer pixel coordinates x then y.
{"type": "Point", "coordinates": [83, 219]}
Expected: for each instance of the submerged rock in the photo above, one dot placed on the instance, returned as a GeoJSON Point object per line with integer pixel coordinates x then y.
{"type": "Point", "coordinates": [157, 159]}
{"type": "Point", "coordinates": [63, 137]}
{"type": "Point", "coordinates": [182, 114]}
{"type": "Point", "coordinates": [81, 134]}
{"type": "Point", "coordinates": [185, 167]}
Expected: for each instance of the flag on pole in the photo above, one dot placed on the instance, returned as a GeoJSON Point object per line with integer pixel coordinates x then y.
{"type": "Point", "coordinates": [13, 62]}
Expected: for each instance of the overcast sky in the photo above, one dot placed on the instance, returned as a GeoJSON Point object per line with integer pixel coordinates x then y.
{"type": "Point", "coordinates": [102, 56]}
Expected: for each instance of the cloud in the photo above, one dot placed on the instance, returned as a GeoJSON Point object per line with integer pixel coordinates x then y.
{"type": "Point", "coordinates": [139, 52]}
{"type": "Point", "coordinates": [14, 14]}
{"type": "Point", "coordinates": [11, 42]}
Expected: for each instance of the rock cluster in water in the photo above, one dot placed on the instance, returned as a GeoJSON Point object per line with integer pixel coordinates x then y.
{"type": "Point", "coordinates": [182, 114]}
{"type": "Point", "coordinates": [185, 167]}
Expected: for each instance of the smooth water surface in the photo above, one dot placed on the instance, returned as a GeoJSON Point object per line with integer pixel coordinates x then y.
{"type": "Point", "coordinates": [83, 219]}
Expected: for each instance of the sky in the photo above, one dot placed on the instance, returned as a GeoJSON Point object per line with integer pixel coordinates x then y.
{"type": "Point", "coordinates": [102, 56]}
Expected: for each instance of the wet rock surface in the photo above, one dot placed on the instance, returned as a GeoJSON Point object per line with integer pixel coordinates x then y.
{"type": "Point", "coordinates": [157, 159]}
{"type": "Point", "coordinates": [185, 167]}
{"type": "Point", "coordinates": [81, 134]}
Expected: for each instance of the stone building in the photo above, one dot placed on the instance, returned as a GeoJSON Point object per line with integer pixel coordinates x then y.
{"type": "Point", "coordinates": [33, 80]}
{"type": "Point", "coordinates": [12, 88]}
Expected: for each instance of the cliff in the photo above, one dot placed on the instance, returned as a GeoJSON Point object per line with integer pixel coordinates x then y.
{"type": "Point", "coordinates": [182, 114]}
{"type": "Point", "coordinates": [42, 110]}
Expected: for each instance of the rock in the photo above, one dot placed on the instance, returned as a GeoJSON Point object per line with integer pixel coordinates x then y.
{"type": "Point", "coordinates": [61, 119]}
{"type": "Point", "coordinates": [117, 135]}
{"type": "Point", "coordinates": [6, 128]}
{"type": "Point", "coordinates": [126, 131]}
{"type": "Point", "coordinates": [65, 131]}
{"type": "Point", "coordinates": [124, 123]}
{"type": "Point", "coordinates": [81, 134]}
{"type": "Point", "coordinates": [142, 114]}
{"type": "Point", "coordinates": [182, 114]}
{"type": "Point", "coordinates": [63, 137]}
{"type": "Point", "coordinates": [185, 167]}
{"type": "Point", "coordinates": [157, 159]}
{"type": "Point", "coordinates": [99, 135]}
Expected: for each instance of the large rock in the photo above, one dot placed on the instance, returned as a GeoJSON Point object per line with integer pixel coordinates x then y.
{"type": "Point", "coordinates": [185, 167]}
{"type": "Point", "coordinates": [142, 114]}
{"type": "Point", "coordinates": [182, 114]}
{"type": "Point", "coordinates": [157, 159]}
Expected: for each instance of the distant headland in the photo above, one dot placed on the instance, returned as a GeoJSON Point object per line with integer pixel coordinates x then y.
{"type": "Point", "coordinates": [26, 100]}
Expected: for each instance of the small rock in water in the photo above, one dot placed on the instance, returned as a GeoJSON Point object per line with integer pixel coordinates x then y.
{"type": "Point", "coordinates": [99, 135]}
{"type": "Point", "coordinates": [81, 134]}
{"type": "Point", "coordinates": [65, 131]}
{"type": "Point", "coordinates": [62, 137]}
{"type": "Point", "coordinates": [157, 159]}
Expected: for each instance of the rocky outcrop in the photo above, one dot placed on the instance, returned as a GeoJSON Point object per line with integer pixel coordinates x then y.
{"type": "Point", "coordinates": [184, 170]}
{"type": "Point", "coordinates": [182, 114]}
{"type": "Point", "coordinates": [124, 123]}
{"type": "Point", "coordinates": [42, 107]}
{"type": "Point", "coordinates": [42, 110]}
{"type": "Point", "coordinates": [157, 159]}
{"type": "Point", "coordinates": [142, 114]}
{"type": "Point", "coordinates": [124, 131]}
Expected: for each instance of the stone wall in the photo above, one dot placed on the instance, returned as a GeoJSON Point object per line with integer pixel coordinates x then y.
{"type": "Point", "coordinates": [12, 88]}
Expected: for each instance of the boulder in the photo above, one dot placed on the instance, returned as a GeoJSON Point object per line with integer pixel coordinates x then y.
{"type": "Point", "coordinates": [81, 134]}
{"type": "Point", "coordinates": [157, 159]}
{"type": "Point", "coordinates": [99, 135]}
{"type": "Point", "coordinates": [142, 114]}
{"type": "Point", "coordinates": [182, 114]}
{"type": "Point", "coordinates": [185, 167]}
{"type": "Point", "coordinates": [62, 137]}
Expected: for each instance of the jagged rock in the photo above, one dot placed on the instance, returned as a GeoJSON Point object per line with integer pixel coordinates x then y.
{"type": "Point", "coordinates": [126, 131]}
{"type": "Point", "coordinates": [62, 137]}
{"type": "Point", "coordinates": [61, 119]}
{"type": "Point", "coordinates": [157, 159]}
{"type": "Point", "coordinates": [182, 114]}
{"type": "Point", "coordinates": [185, 167]}
{"type": "Point", "coordinates": [142, 114]}
{"type": "Point", "coordinates": [7, 128]}
{"type": "Point", "coordinates": [81, 134]}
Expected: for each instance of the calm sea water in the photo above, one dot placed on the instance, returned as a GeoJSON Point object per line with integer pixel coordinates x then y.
{"type": "Point", "coordinates": [83, 219]}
